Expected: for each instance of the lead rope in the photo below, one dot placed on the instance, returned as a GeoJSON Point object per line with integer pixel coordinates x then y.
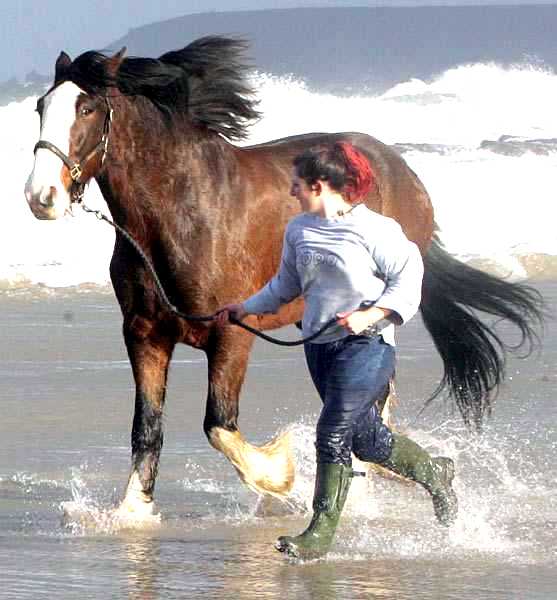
{"type": "Point", "coordinates": [173, 309]}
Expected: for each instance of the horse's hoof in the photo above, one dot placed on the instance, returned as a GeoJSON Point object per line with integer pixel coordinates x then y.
{"type": "Point", "coordinates": [137, 511]}
{"type": "Point", "coordinates": [267, 469]}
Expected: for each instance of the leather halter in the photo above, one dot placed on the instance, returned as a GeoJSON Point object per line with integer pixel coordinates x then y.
{"type": "Point", "coordinates": [75, 167]}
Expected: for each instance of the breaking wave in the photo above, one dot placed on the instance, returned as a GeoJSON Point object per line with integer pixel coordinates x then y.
{"type": "Point", "coordinates": [481, 137]}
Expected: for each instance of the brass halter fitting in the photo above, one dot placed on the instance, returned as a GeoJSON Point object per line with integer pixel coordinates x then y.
{"type": "Point", "coordinates": [75, 172]}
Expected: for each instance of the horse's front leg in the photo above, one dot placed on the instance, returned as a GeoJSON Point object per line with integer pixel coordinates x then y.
{"type": "Point", "coordinates": [150, 355]}
{"type": "Point", "coordinates": [267, 469]}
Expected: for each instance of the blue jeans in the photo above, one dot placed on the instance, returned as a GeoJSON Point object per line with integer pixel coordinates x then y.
{"type": "Point", "coordinates": [350, 375]}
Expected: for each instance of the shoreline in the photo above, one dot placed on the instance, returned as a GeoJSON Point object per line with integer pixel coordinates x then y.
{"type": "Point", "coordinates": [532, 269]}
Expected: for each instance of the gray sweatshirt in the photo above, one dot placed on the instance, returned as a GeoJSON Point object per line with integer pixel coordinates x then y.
{"type": "Point", "coordinates": [335, 263]}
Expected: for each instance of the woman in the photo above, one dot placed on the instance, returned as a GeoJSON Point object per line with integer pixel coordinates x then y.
{"type": "Point", "coordinates": [338, 254]}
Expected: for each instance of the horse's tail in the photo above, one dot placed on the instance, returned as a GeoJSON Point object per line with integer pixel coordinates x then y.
{"type": "Point", "coordinates": [472, 352]}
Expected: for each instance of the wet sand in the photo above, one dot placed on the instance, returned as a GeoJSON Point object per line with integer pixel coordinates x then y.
{"type": "Point", "coordinates": [67, 395]}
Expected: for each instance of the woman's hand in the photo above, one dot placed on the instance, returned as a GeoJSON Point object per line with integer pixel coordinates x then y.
{"type": "Point", "coordinates": [358, 320]}
{"type": "Point", "coordinates": [235, 311]}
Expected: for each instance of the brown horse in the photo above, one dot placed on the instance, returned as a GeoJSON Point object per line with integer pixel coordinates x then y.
{"type": "Point", "coordinates": [210, 216]}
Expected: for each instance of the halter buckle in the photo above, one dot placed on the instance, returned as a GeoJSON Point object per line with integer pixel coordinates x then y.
{"type": "Point", "coordinates": [76, 172]}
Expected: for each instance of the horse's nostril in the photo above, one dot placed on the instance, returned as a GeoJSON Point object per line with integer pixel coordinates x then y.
{"type": "Point", "coordinates": [47, 200]}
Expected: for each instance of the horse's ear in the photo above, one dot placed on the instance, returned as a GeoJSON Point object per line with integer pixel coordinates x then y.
{"type": "Point", "coordinates": [62, 64]}
{"type": "Point", "coordinates": [114, 62]}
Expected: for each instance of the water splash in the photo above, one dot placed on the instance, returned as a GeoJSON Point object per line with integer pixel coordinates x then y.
{"type": "Point", "coordinates": [90, 512]}
{"type": "Point", "coordinates": [499, 491]}
{"type": "Point", "coordinates": [31, 483]}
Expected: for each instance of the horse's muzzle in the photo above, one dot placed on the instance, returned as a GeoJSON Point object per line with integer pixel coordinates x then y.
{"type": "Point", "coordinates": [45, 204]}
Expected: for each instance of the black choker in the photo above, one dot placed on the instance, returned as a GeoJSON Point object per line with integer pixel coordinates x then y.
{"type": "Point", "coordinates": [343, 213]}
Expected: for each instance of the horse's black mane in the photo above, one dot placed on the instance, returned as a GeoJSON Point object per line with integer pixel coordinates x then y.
{"type": "Point", "coordinates": [206, 81]}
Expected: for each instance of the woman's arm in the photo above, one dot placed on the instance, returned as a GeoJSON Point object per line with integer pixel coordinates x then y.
{"type": "Point", "coordinates": [281, 289]}
{"type": "Point", "coordinates": [359, 320]}
{"type": "Point", "coordinates": [401, 264]}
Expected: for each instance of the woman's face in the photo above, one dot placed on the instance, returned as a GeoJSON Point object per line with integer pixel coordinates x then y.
{"type": "Point", "coordinates": [309, 197]}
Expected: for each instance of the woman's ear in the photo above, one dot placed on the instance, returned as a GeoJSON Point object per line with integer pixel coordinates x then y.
{"type": "Point", "coordinates": [317, 188]}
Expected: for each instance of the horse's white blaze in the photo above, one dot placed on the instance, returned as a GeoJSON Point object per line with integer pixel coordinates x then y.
{"type": "Point", "coordinates": [57, 120]}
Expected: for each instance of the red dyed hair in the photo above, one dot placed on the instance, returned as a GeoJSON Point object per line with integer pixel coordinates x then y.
{"type": "Point", "coordinates": [359, 176]}
{"type": "Point", "coordinates": [345, 168]}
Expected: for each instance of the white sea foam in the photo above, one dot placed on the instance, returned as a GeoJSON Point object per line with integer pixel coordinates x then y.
{"type": "Point", "coordinates": [489, 205]}
{"type": "Point", "coordinates": [29, 482]}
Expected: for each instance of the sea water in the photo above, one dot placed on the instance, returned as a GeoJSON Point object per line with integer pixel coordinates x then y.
{"type": "Point", "coordinates": [481, 137]}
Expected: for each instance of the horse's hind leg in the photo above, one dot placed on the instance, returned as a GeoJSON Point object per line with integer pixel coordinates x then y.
{"type": "Point", "coordinates": [150, 357]}
{"type": "Point", "coordinates": [387, 402]}
{"type": "Point", "coordinates": [267, 469]}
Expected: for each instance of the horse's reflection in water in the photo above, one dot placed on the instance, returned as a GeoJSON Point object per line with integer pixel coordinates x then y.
{"type": "Point", "coordinates": [142, 567]}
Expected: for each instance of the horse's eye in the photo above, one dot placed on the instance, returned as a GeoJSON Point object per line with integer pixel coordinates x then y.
{"type": "Point", "coordinates": [85, 111]}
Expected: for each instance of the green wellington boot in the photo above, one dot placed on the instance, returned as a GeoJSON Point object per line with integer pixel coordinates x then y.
{"type": "Point", "coordinates": [434, 474]}
{"type": "Point", "coordinates": [332, 483]}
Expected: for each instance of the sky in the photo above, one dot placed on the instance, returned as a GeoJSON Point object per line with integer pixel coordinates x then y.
{"type": "Point", "coordinates": [33, 32]}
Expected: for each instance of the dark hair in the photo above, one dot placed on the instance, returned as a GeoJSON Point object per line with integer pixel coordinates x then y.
{"type": "Point", "coordinates": [345, 168]}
